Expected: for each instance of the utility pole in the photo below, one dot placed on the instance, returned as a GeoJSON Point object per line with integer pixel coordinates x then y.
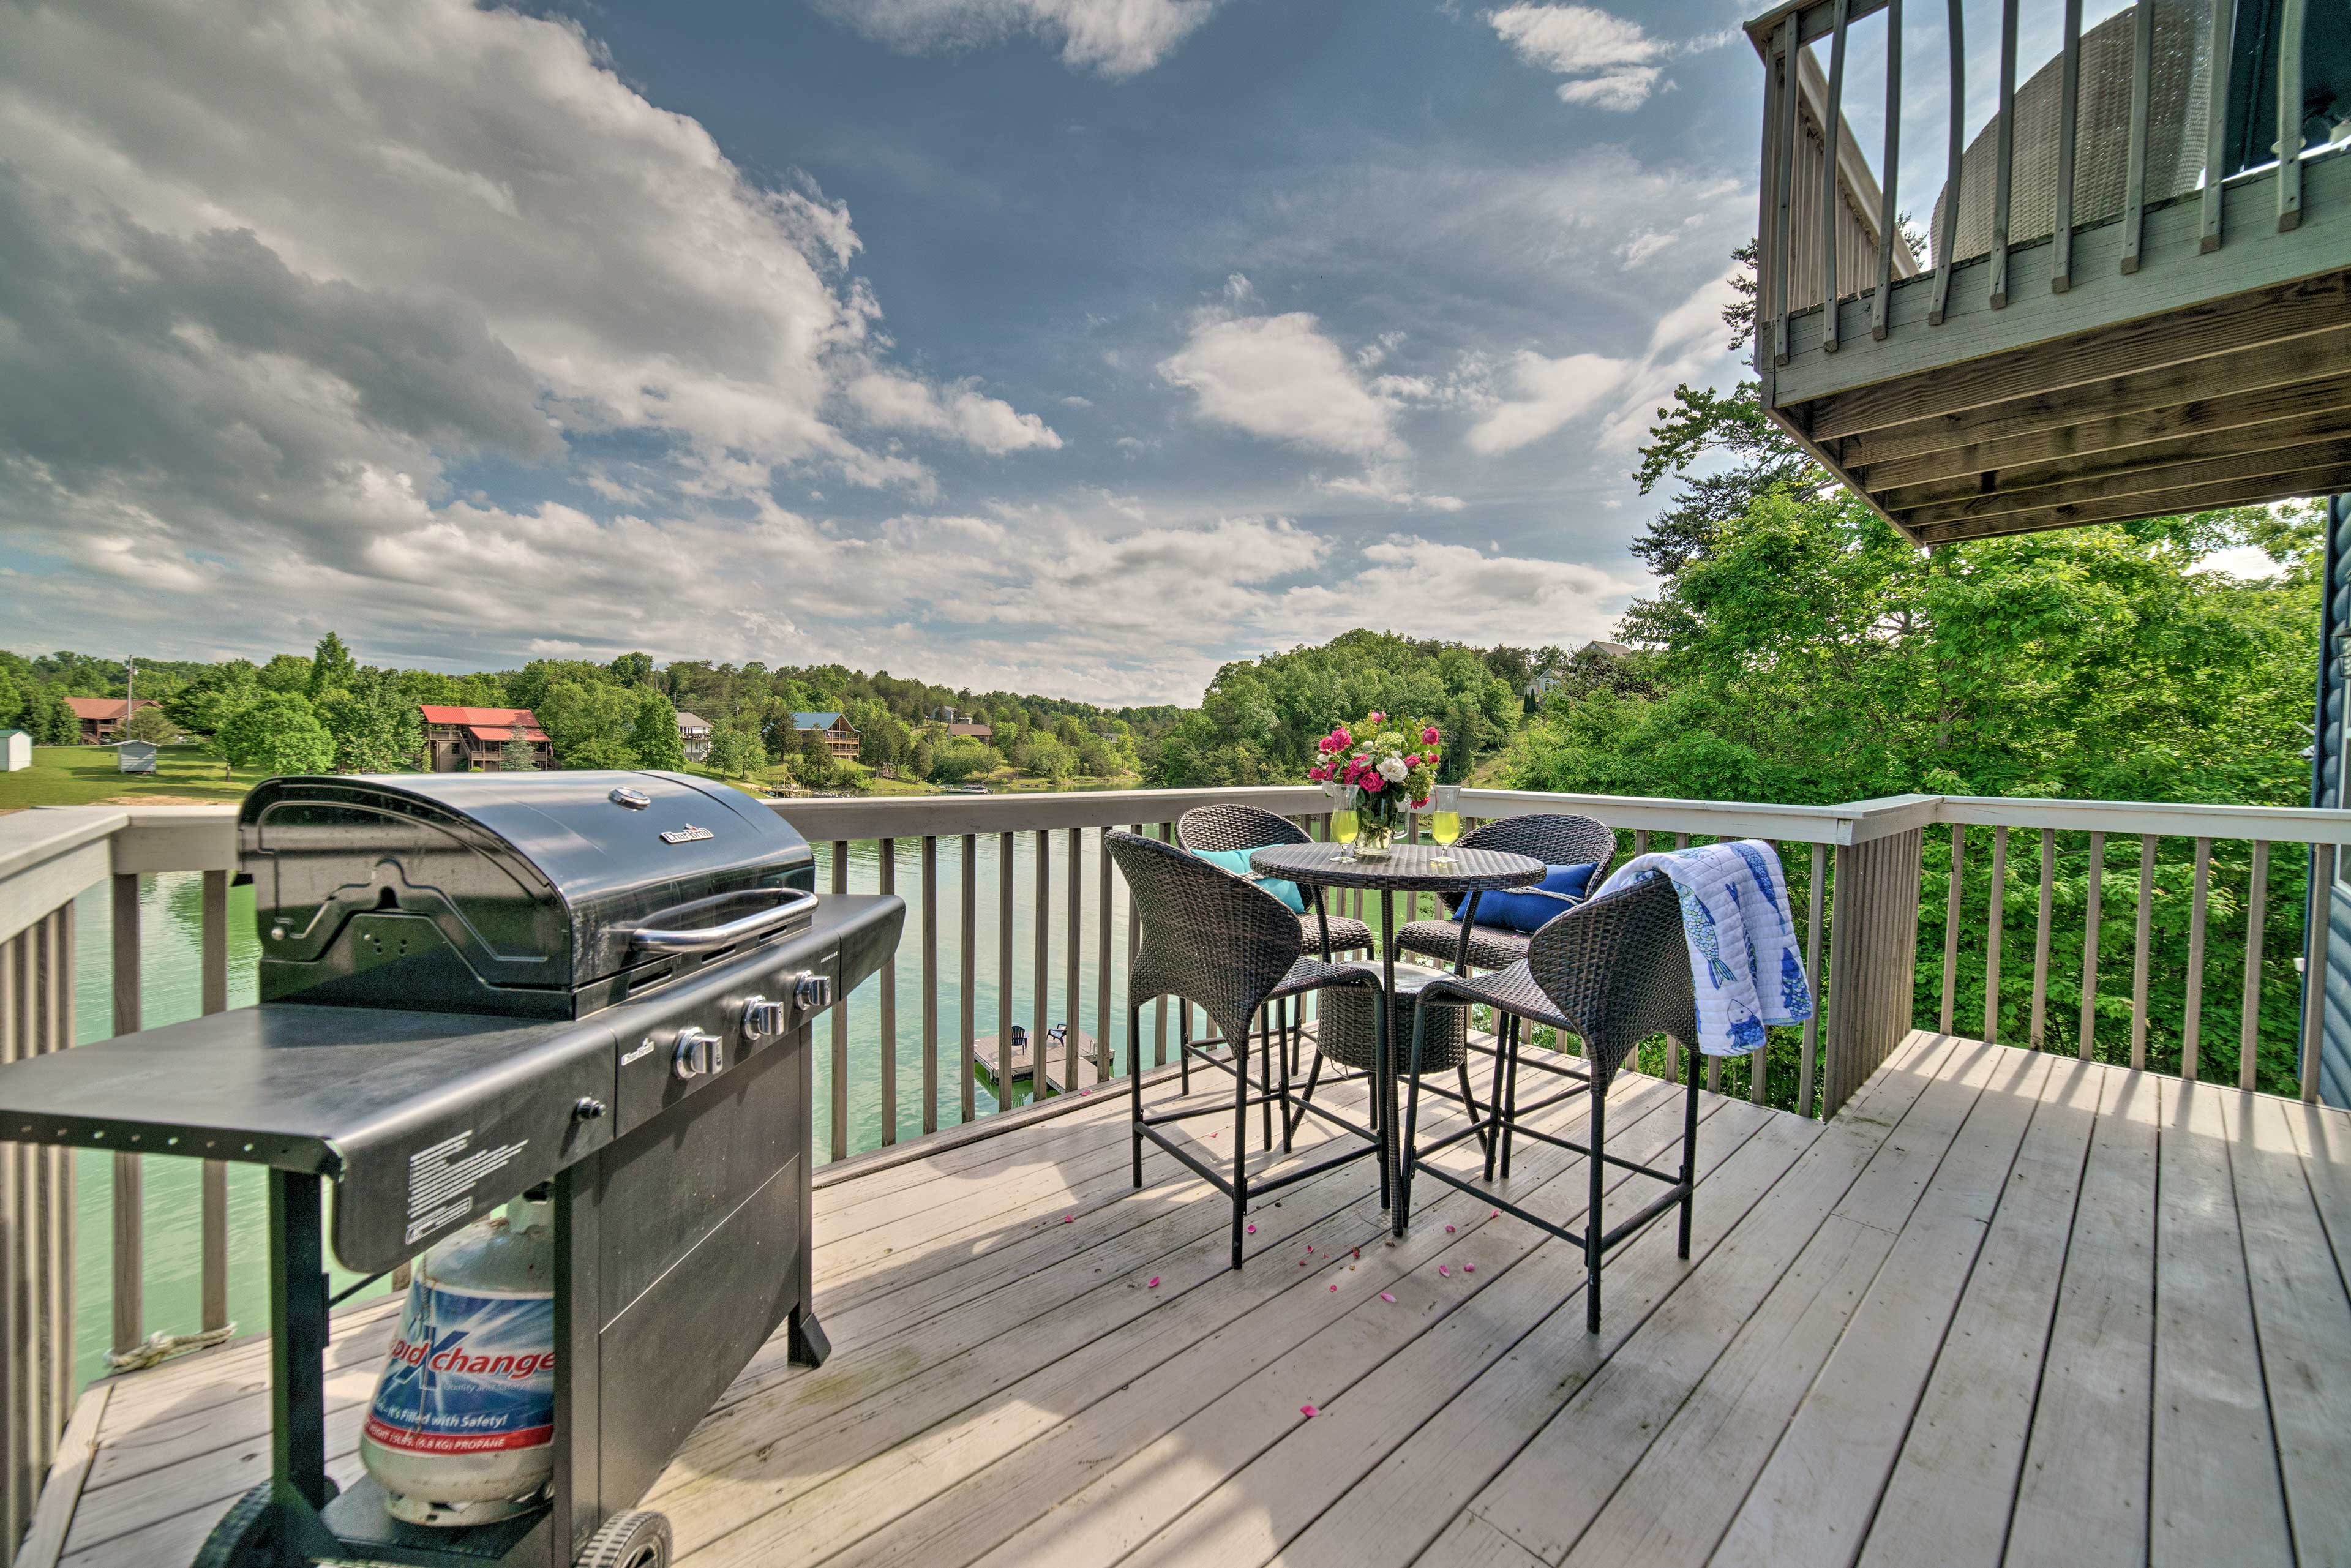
{"type": "Point", "coordinates": [130, 688]}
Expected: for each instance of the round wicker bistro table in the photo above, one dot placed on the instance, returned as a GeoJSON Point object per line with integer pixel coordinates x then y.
{"type": "Point", "coordinates": [1406, 868]}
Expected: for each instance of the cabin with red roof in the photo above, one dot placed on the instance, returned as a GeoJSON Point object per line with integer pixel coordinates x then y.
{"type": "Point", "coordinates": [101, 718]}
{"type": "Point", "coordinates": [474, 739]}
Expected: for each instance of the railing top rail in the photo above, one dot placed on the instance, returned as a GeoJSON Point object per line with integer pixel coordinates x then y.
{"type": "Point", "coordinates": [2281, 824]}
{"type": "Point", "coordinates": [1853, 822]}
{"type": "Point", "coordinates": [1814, 19]}
{"type": "Point", "coordinates": [921, 816]}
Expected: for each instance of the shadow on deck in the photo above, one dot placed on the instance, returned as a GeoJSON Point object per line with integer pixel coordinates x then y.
{"type": "Point", "coordinates": [1953, 1325]}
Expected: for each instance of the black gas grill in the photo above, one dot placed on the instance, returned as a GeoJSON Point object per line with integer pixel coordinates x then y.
{"type": "Point", "coordinates": [476, 985]}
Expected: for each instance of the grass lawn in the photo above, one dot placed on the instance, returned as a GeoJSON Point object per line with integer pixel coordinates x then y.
{"type": "Point", "coordinates": [87, 775]}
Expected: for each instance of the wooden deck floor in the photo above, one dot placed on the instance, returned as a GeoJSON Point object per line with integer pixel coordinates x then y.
{"type": "Point", "coordinates": [2004, 1307]}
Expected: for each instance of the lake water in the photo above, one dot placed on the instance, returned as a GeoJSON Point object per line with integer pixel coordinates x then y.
{"type": "Point", "coordinates": [171, 935]}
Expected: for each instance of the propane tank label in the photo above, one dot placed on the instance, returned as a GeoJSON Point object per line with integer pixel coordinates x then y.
{"type": "Point", "coordinates": [467, 1374]}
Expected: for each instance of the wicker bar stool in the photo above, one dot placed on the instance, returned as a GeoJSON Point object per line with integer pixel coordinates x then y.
{"type": "Point", "coordinates": [1233, 949]}
{"type": "Point", "coordinates": [1235, 827]}
{"type": "Point", "coordinates": [1615, 971]}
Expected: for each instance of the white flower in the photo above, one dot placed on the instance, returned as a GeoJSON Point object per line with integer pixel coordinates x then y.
{"type": "Point", "coordinates": [1392, 769]}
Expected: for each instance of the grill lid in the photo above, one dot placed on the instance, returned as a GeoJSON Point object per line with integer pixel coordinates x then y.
{"type": "Point", "coordinates": [460, 881]}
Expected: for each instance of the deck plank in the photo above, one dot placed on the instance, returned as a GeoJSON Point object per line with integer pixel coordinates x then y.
{"type": "Point", "coordinates": [1390, 1513]}
{"type": "Point", "coordinates": [1948, 1501]}
{"type": "Point", "coordinates": [2082, 1495]}
{"type": "Point", "coordinates": [2209, 1395]}
{"type": "Point", "coordinates": [1839, 1429]}
{"type": "Point", "coordinates": [2128, 1336]}
{"type": "Point", "coordinates": [2305, 1322]}
{"type": "Point", "coordinates": [1190, 1325]}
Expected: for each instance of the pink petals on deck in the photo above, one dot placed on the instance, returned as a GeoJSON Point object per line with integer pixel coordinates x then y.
{"type": "Point", "coordinates": [1252, 1230]}
{"type": "Point", "coordinates": [1153, 1283]}
{"type": "Point", "coordinates": [1308, 1410]}
{"type": "Point", "coordinates": [1445, 1271]}
{"type": "Point", "coordinates": [1069, 1219]}
{"type": "Point", "coordinates": [1388, 1299]}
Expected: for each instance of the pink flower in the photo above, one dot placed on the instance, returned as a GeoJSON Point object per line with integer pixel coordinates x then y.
{"type": "Point", "coordinates": [1379, 718]}
{"type": "Point", "coordinates": [1373, 781]}
{"type": "Point", "coordinates": [1308, 1410]}
{"type": "Point", "coordinates": [1430, 735]}
{"type": "Point", "coordinates": [1317, 774]}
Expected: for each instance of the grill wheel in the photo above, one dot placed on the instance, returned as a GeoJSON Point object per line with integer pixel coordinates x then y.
{"type": "Point", "coordinates": [638, 1539]}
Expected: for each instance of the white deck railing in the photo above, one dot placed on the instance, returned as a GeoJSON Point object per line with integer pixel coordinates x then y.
{"type": "Point", "coordinates": [1856, 871]}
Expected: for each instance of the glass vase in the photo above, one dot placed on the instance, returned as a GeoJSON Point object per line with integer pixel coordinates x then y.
{"type": "Point", "coordinates": [1372, 840]}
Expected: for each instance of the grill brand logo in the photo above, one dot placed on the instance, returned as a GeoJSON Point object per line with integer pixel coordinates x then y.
{"type": "Point", "coordinates": [689, 834]}
{"type": "Point", "coordinates": [467, 1374]}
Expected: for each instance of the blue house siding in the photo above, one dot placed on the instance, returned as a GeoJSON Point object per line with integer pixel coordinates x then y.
{"type": "Point", "coordinates": [2326, 789]}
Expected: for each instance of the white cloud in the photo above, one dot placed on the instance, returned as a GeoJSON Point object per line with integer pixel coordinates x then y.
{"type": "Point", "coordinates": [271, 268]}
{"type": "Point", "coordinates": [1282, 378]}
{"type": "Point", "coordinates": [1116, 37]}
{"type": "Point", "coordinates": [1387, 485]}
{"type": "Point", "coordinates": [895, 401]}
{"type": "Point", "coordinates": [1546, 393]}
{"type": "Point", "coordinates": [1612, 61]}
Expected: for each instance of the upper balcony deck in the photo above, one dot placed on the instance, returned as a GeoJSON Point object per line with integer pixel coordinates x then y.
{"type": "Point", "coordinates": [1951, 1323]}
{"type": "Point", "coordinates": [2135, 305]}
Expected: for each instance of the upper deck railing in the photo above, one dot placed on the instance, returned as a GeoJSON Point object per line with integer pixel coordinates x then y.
{"type": "Point", "coordinates": [2165, 188]}
{"type": "Point", "coordinates": [1016, 918]}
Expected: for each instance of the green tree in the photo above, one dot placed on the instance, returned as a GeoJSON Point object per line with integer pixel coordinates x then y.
{"type": "Point", "coordinates": [632, 669]}
{"type": "Point", "coordinates": [206, 703]}
{"type": "Point", "coordinates": [150, 723]}
{"type": "Point", "coordinates": [589, 721]}
{"type": "Point", "coordinates": [286, 673]}
{"type": "Point", "coordinates": [737, 751]}
{"type": "Point", "coordinates": [333, 668]}
{"type": "Point", "coordinates": [963, 756]}
{"type": "Point", "coordinates": [652, 734]}
{"type": "Point", "coordinates": [520, 753]}
{"type": "Point", "coordinates": [277, 732]}
{"type": "Point", "coordinates": [47, 718]}
{"type": "Point", "coordinates": [375, 724]}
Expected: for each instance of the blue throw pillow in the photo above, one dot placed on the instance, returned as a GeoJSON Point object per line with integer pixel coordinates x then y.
{"type": "Point", "coordinates": [1237, 863]}
{"type": "Point", "coordinates": [1526, 909]}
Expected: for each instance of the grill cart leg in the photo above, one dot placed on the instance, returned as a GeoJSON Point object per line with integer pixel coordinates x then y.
{"type": "Point", "coordinates": [808, 1346]}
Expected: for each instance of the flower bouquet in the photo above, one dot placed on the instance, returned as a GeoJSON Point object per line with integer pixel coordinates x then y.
{"type": "Point", "coordinates": [1392, 761]}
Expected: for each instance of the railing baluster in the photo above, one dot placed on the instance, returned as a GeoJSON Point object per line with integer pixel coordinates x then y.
{"type": "Point", "coordinates": [1831, 203]}
{"type": "Point", "coordinates": [1947, 239]}
{"type": "Point", "coordinates": [2135, 179]}
{"type": "Point", "coordinates": [1814, 900]}
{"type": "Point", "coordinates": [2003, 177]}
{"type": "Point", "coordinates": [2091, 911]}
{"type": "Point", "coordinates": [2249, 1029]}
{"type": "Point", "coordinates": [2069, 108]}
{"type": "Point", "coordinates": [2216, 125]}
{"type": "Point", "coordinates": [1040, 994]}
{"type": "Point", "coordinates": [1888, 217]}
{"type": "Point", "coordinates": [1135, 946]}
{"type": "Point", "coordinates": [1993, 931]}
{"type": "Point", "coordinates": [2289, 138]}
{"type": "Point", "coordinates": [840, 1026]}
{"type": "Point", "coordinates": [1759, 1060]}
{"type": "Point", "coordinates": [1640, 842]}
{"type": "Point", "coordinates": [22, 1428]}
{"type": "Point", "coordinates": [1784, 237]}
{"type": "Point", "coordinates": [889, 1008]}
{"type": "Point", "coordinates": [2039, 1034]}
{"type": "Point", "coordinates": [130, 1219]}
{"type": "Point", "coordinates": [1951, 929]}
{"type": "Point", "coordinates": [213, 1202]}
{"type": "Point", "coordinates": [2314, 985]}
{"type": "Point", "coordinates": [967, 1000]}
{"type": "Point", "coordinates": [1105, 1038]}
{"type": "Point", "coordinates": [2141, 936]}
{"type": "Point", "coordinates": [2192, 1019]}
{"type": "Point", "coordinates": [1004, 864]}
{"type": "Point", "coordinates": [1071, 984]}
{"type": "Point", "coordinates": [930, 875]}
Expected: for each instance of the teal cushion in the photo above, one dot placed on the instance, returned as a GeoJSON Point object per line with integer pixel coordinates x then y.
{"type": "Point", "coordinates": [1526, 909]}
{"type": "Point", "coordinates": [1237, 863]}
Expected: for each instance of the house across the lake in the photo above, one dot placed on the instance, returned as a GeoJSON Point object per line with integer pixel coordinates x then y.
{"type": "Point", "coordinates": [474, 739]}
{"type": "Point", "coordinates": [840, 737]}
{"type": "Point", "coordinates": [694, 734]}
{"type": "Point", "coordinates": [101, 718]}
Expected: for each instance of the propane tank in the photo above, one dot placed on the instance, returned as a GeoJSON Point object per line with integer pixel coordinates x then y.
{"type": "Point", "coordinates": [461, 1428]}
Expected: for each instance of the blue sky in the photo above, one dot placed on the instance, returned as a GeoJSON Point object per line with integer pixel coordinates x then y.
{"type": "Point", "coordinates": [1069, 345]}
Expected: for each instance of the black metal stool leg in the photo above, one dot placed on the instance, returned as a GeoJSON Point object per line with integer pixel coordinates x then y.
{"type": "Point", "coordinates": [1240, 1138]}
{"type": "Point", "coordinates": [1689, 1153]}
{"type": "Point", "coordinates": [1265, 1075]}
{"type": "Point", "coordinates": [1289, 1045]}
{"type": "Point", "coordinates": [1408, 1156]}
{"type": "Point", "coordinates": [1313, 1072]}
{"type": "Point", "coordinates": [1184, 1045]}
{"type": "Point", "coordinates": [1510, 1114]}
{"type": "Point", "coordinates": [1135, 1083]}
{"type": "Point", "coordinates": [1593, 1226]}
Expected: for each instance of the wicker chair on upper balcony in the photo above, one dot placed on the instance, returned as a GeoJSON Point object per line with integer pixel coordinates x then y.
{"type": "Point", "coordinates": [1554, 839]}
{"type": "Point", "coordinates": [1229, 946]}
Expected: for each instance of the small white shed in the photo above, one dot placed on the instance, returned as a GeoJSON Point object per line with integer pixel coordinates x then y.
{"type": "Point", "coordinates": [15, 750]}
{"type": "Point", "coordinates": [135, 757]}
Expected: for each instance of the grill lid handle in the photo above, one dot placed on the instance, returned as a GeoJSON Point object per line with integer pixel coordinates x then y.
{"type": "Point", "coordinates": [652, 939]}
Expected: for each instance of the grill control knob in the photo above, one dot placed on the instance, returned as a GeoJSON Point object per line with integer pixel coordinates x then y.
{"type": "Point", "coordinates": [588, 1108]}
{"type": "Point", "coordinates": [698, 1051]}
{"type": "Point", "coordinates": [762, 1019]}
{"type": "Point", "coordinates": [813, 990]}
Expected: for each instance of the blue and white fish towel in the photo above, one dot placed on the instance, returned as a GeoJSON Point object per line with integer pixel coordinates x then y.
{"type": "Point", "coordinates": [1745, 965]}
